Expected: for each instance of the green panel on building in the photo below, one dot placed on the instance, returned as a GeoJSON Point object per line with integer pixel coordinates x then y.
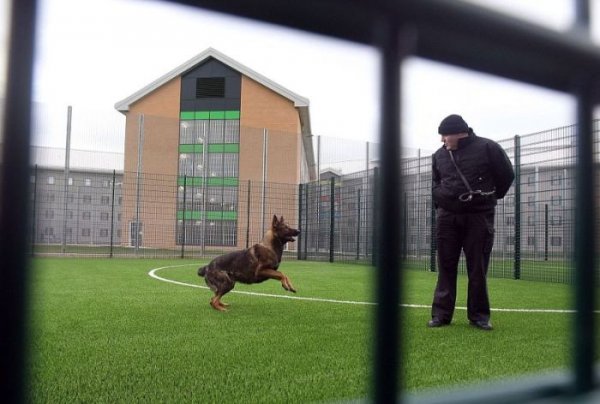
{"type": "Point", "coordinates": [211, 181]}
{"type": "Point", "coordinates": [197, 215]}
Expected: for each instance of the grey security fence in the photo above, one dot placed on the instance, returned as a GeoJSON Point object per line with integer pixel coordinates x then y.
{"type": "Point", "coordinates": [336, 218]}
{"type": "Point", "coordinates": [116, 214]}
{"type": "Point", "coordinates": [104, 212]}
{"type": "Point", "coordinates": [534, 222]}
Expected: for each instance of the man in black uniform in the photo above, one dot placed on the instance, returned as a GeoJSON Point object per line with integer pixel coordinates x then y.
{"type": "Point", "coordinates": [469, 173]}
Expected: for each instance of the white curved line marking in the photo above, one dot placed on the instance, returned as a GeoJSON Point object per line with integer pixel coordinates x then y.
{"type": "Point", "coordinates": [153, 274]}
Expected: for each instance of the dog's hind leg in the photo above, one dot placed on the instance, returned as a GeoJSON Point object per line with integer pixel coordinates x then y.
{"type": "Point", "coordinates": [220, 283]}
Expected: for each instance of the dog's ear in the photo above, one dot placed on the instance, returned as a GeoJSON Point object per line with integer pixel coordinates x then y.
{"type": "Point", "coordinates": [274, 223]}
{"type": "Point", "coordinates": [281, 219]}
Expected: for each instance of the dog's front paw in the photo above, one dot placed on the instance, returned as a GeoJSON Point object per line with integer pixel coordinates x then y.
{"type": "Point", "coordinates": [288, 286]}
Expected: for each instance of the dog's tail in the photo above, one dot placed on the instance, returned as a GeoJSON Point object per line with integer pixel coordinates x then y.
{"type": "Point", "coordinates": [202, 271]}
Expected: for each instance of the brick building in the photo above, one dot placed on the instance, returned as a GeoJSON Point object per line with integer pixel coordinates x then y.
{"type": "Point", "coordinates": [213, 124]}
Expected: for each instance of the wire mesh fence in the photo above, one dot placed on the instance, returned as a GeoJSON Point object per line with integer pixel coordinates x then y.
{"type": "Point", "coordinates": [112, 214]}
{"type": "Point", "coordinates": [122, 214]}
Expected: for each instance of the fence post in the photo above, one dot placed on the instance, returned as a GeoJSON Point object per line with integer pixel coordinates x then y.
{"type": "Point", "coordinates": [300, 228]}
{"type": "Point", "coordinates": [183, 229]}
{"type": "Point", "coordinates": [66, 178]}
{"type": "Point", "coordinates": [517, 258]}
{"type": "Point", "coordinates": [112, 214]}
{"type": "Point", "coordinates": [306, 199]}
{"type": "Point", "coordinates": [138, 179]}
{"type": "Point", "coordinates": [248, 215]}
{"type": "Point", "coordinates": [404, 221]}
{"type": "Point", "coordinates": [358, 227]}
{"type": "Point", "coordinates": [265, 162]}
{"type": "Point", "coordinates": [33, 208]}
{"type": "Point", "coordinates": [546, 232]}
{"type": "Point", "coordinates": [433, 240]}
{"type": "Point", "coordinates": [332, 219]}
{"type": "Point", "coordinates": [375, 216]}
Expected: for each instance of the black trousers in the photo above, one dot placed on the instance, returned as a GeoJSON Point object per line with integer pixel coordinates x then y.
{"type": "Point", "coordinates": [472, 233]}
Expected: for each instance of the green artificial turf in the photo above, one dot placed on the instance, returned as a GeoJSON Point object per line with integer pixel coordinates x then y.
{"type": "Point", "coordinates": [103, 330]}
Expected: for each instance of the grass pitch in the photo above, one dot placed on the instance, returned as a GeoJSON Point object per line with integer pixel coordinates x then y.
{"type": "Point", "coordinates": [103, 330]}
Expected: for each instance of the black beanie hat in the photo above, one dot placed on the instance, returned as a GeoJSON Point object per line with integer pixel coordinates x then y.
{"type": "Point", "coordinates": [453, 124]}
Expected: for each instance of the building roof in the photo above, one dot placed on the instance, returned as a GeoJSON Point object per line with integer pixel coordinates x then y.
{"type": "Point", "coordinates": [301, 103]}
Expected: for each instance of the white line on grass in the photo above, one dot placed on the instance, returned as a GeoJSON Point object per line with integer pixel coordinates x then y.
{"type": "Point", "coordinates": [153, 274]}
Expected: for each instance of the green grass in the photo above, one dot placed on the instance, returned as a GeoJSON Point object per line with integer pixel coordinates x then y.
{"type": "Point", "coordinates": [104, 331]}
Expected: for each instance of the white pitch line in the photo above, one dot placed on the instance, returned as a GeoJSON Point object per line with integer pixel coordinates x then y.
{"type": "Point", "coordinates": [153, 274]}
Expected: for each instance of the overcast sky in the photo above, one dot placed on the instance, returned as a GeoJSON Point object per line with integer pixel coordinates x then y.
{"type": "Point", "coordinates": [91, 54]}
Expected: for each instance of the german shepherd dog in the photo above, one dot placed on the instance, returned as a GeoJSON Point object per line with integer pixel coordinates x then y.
{"type": "Point", "coordinates": [253, 265]}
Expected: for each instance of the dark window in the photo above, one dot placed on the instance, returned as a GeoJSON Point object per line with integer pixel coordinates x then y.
{"type": "Point", "coordinates": [208, 87]}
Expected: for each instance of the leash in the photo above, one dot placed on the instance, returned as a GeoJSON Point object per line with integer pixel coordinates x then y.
{"type": "Point", "coordinates": [468, 196]}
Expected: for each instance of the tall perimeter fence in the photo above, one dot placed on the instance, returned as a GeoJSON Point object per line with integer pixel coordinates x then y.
{"type": "Point", "coordinates": [115, 213]}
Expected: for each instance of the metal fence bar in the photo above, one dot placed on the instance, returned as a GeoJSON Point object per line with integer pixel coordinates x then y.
{"type": "Point", "coordinates": [183, 227]}
{"type": "Point", "coordinates": [585, 245]}
{"type": "Point", "coordinates": [534, 222]}
{"type": "Point", "coordinates": [388, 222]}
{"type": "Point", "coordinates": [517, 191]}
{"type": "Point", "coordinates": [33, 210]}
{"type": "Point", "coordinates": [66, 175]}
{"type": "Point", "coordinates": [248, 214]}
{"type": "Point", "coordinates": [331, 219]}
{"type": "Point", "coordinates": [137, 226]}
{"type": "Point", "coordinates": [359, 222]}
{"type": "Point", "coordinates": [300, 239]}
{"type": "Point", "coordinates": [112, 214]}
{"type": "Point", "coordinates": [14, 202]}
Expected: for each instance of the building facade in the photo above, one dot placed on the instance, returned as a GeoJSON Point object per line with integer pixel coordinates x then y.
{"type": "Point", "coordinates": [83, 210]}
{"type": "Point", "coordinates": [214, 124]}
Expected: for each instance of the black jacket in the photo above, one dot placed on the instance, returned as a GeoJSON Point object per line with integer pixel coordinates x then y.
{"type": "Point", "coordinates": [485, 166]}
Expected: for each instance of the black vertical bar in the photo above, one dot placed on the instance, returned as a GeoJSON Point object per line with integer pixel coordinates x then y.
{"type": "Point", "coordinates": [433, 239]}
{"type": "Point", "coordinates": [585, 221]}
{"type": "Point", "coordinates": [358, 227]}
{"type": "Point", "coordinates": [546, 232]}
{"type": "Point", "coordinates": [374, 217]}
{"type": "Point", "coordinates": [33, 210]}
{"type": "Point", "coordinates": [248, 215]}
{"type": "Point", "coordinates": [388, 232]}
{"type": "Point", "coordinates": [318, 214]}
{"type": "Point", "coordinates": [585, 242]}
{"type": "Point", "coordinates": [183, 217]}
{"type": "Point", "coordinates": [405, 226]}
{"type": "Point", "coordinates": [14, 185]}
{"type": "Point", "coordinates": [112, 214]}
{"type": "Point", "coordinates": [300, 227]}
{"type": "Point", "coordinates": [306, 200]}
{"type": "Point", "coordinates": [517, 234]}
{"type": "Point", "coordinates": [331, 219]}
